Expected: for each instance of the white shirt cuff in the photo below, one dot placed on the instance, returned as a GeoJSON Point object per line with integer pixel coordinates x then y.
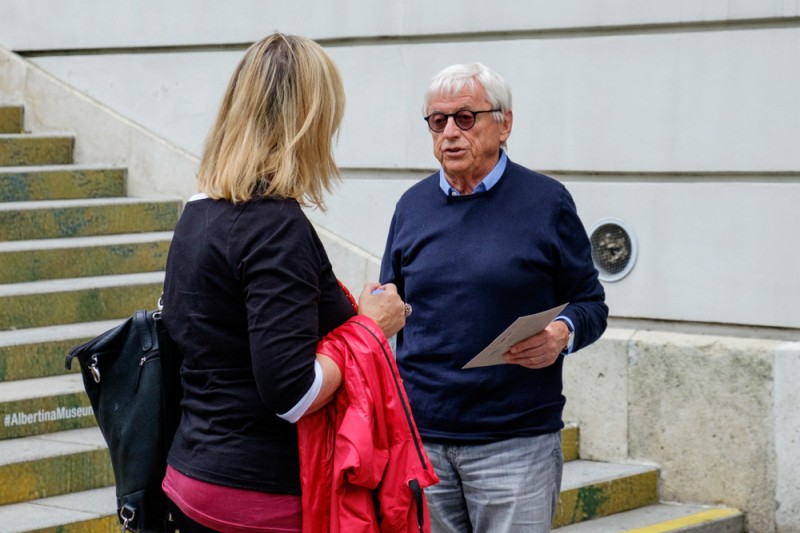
{"type": "Point", "coordinates": [568, 349]}
{"type": "Point", "coordinates": [295, 413]}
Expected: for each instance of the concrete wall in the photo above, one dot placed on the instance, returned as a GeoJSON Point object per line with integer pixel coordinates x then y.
{"type": "Point", "coordinates": [678, 117]}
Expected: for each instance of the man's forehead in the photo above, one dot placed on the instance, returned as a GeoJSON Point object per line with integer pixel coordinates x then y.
{"type": "Point", "coordinates": [467, 95]}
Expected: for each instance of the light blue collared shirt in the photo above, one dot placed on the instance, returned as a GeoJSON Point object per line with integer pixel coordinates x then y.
{"type": "Point", "coordinates": [486, 183]}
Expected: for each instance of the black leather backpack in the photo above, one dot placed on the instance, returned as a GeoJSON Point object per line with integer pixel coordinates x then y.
{"type": "Point", "coordinates": [131, 375]}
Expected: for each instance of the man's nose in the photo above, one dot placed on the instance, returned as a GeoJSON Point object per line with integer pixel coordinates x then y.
{"type": "Point", "coordinates": [450, 128]}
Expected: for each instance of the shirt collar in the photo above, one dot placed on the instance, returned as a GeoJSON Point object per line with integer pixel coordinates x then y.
{"type": "Point", "coordinates": [486, 183]}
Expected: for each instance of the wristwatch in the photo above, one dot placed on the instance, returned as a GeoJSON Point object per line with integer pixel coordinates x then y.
{"type": "Point", "coordinates": [571, 336]}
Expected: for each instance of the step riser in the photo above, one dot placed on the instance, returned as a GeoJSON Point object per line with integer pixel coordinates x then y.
{"type": "Point", "coordinates": [46, 415]}
{"type": "Point", "coordinates": [56, 475]}
{"type": "Point", "coordinates": [603, 499]}
{"type": "Point", "coordinates": [61, 184]}
{"type": "Point", "coordinates": [81, 221]}
{"type": "Point", "coordinates": [33, 265]}
{"type": "Point", "coordinates": [24, 150]}
{"type": "Point", "coordinates": [11, 119]}
{"type": "Point", "coordinates": [27, 361]}
{"type": "Point", "coordinates": [69, 307]}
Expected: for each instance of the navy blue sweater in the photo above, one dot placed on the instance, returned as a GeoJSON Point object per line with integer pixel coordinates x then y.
{"type": "Point", "coordinates": [469, 266]}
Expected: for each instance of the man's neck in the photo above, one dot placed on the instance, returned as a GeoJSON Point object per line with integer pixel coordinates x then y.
{"type": "Point", "coordinates": [463, 186]}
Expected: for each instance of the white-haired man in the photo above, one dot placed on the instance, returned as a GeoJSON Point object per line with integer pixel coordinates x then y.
{"type": "Point", "coordinates": [471, 248]}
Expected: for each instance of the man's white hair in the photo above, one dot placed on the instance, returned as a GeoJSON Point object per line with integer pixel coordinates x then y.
{"type": "Point", "coordinates": [453, 79]}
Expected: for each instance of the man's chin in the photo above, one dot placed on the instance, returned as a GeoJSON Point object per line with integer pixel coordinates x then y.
{"type": "Point", "coordinates": [454, 172]}
{"type": "Point", "coordinates": [454, 164]}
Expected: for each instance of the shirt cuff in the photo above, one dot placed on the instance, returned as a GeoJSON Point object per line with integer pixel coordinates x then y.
{"type": "Point", "coordinates": [571, 326]}
{"type": "Point", "coordinates": [295, 413]}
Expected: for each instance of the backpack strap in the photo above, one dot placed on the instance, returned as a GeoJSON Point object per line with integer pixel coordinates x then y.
{"type": "Point", "coordinates": [140, 324]}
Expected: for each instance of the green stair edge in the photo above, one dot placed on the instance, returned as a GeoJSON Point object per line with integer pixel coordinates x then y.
{"type": "Point", "coordinates": [23, 149]}
{"type": "Point", "coordinates": [25, 184]}
{"type": "Point", "coordinates": [85, 305]}
{"type": "Point", "coordinates": [83, 261]}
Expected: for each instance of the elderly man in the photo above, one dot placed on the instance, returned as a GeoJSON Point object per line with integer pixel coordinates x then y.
{"type": "Point", "coordinates": [471, 248]}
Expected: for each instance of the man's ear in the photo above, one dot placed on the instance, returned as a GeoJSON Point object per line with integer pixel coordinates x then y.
{"type": "Point", "coordinates": [505, 131]}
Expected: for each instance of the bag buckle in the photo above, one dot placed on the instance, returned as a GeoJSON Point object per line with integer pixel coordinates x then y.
{"type": "Point", "coordinates": [94, 370]}
{"type": "Point", "coordinates": [127, 514]}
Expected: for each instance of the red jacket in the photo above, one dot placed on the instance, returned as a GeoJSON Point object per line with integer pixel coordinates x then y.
{"type": "Point", "coordinates": [361, 456]}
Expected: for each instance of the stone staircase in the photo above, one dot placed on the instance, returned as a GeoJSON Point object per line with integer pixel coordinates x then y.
{"type": "Point", "coordinates": [599, 497]}
{"type": "Point", "coordinates": [76, 257]}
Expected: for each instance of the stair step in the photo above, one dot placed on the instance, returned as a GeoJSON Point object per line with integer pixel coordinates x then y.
{"type": "Point", "coordinates": [60, 182]}
{"type": "Point", "coordinates": [79, 218]}
{"type": "Point", "coordinates": [593, 489]}
{"type": "Point", "coordinates": [35, 149]}
{"type": "Point", "coordinates": [44, 405]}
{"type": "Point", "coordinates": [40, 352]}
{"type": "Point", "coordinates": [66, 301]}
{"type": "Point", "coordinates": [11, 119]}
{"type": "Point", "coordinates": [73, 257]}
{"type": "Point", "coordinates": [665, 518]}
{"type": "Point", "coordinates": [54, 464]}
{"type": "Point", "coordinates": [80, 512]}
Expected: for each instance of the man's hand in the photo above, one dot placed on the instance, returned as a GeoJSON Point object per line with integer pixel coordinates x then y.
{"type": "Point", "coordinates": [542, 349]}
{"type": "Point", "coordinates": [384, 307]}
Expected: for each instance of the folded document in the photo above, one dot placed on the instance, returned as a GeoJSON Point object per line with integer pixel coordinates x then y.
{"type": "Point", "coordinates": [522, 328]}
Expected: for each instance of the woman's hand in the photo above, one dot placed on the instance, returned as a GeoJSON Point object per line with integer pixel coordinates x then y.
{"type": "Point", "coordinates": [385, 308]}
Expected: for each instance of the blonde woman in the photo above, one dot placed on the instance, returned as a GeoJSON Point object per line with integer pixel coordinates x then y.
{"type": "Point", "coordinates": [249, 292]}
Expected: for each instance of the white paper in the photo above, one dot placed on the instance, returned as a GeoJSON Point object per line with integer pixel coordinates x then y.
{"type": "Point", "coordinates": [522, 328]}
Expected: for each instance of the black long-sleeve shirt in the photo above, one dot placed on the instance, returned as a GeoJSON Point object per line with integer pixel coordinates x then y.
{"type": "Point", "coordinates": [249, 291]}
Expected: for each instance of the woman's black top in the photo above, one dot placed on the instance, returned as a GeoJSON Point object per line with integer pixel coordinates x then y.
{"type": "Point", "coordinates": [249, 291]}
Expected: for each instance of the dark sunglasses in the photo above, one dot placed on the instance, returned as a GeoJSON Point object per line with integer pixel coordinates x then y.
{"type": "Point", "coordinates": [464, 119]}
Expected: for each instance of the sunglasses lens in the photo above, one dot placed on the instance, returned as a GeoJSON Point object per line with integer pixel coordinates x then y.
{"type": "Point", "coordinates": [437, 122]}
{"type": "Point", "coordinates": [465, 120]}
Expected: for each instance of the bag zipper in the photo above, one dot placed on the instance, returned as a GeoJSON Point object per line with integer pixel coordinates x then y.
{"type": "Point", "coordinates": [144, 360]}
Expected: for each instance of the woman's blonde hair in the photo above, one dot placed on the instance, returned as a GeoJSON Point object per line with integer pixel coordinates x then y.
{"type": "Point", "coordinates": [274, 131]}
